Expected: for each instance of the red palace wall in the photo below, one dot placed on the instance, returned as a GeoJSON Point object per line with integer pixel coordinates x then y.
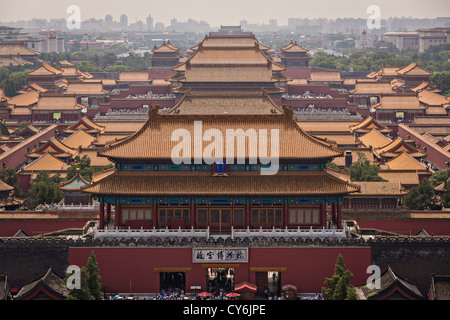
{"type": "Point", "coordinates": [131, 270]}
{"type": "Point", "coordinates": [15, 157]}
{"type": "Point", "coordinates": [438, 158]}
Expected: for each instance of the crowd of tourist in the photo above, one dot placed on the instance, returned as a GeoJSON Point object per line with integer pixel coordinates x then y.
{"type": "Point", "coordinates": [314, 109]}
{"type": "Point", "coordinates": [307, 95]}
{"type": "Point", "coordinates": [151, 95]}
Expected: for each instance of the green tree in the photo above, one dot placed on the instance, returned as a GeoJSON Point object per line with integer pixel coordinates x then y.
{"type": "Point", "coordinates": [44, 190]}
{"type": "Point", "coordinates": [421, 197]}
{"type": "Point", "coordinates": [339, 287]}
{"type": "Point", "coordinates": [83, 293]}
{"type": "Point", "coordinates": [332, 165]}
{"type": "Point", "coordinates": [93, 278]}
{"type": "Point", "coordinates": [90, 284]}
{"type": "Point", "coordinates": [445, 196]}
{"type": "Point", "coordinates": [362, 170]}
{"type": "Point", "coordinates": [440, 177]}
{"type": "Point", "coordinates": [442, 81]}
{"type": "Point", "coordinates": [4, 129]}
{"type": "Point", "coordinates": [86, 170]}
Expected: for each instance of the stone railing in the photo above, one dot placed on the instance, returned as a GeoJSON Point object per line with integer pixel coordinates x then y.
{"type": "Point", "coordinates": [310, 233]}
{"type": "Point", "coordinates": [146, 233]}
{"type": "Point", "coordinates": [289, 233]}
{"type": "Point", "coordinates": [61, 206]}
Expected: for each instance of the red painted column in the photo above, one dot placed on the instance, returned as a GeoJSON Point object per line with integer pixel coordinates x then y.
{"type": "Point", "coordinates": [101, 224]}
{"type": "Point", "coordinates": [108, 212]}
{"type": "Point", "coordinates": [247, 215]}
{"type": "Point", "coordinates": [333, 212]}
{"type": "Point", "coordinates": [339, 215]}
{"type": "Point", "coordinates": [285, 215]}
{"type": "Point", "coordinates": [155, 215]}
{"type": "Point", "coordinates": [323, 214]}
{"type": "Point", "coordinates": [192, 216]}
{"type": "Point", "coordinates": [118, 215]}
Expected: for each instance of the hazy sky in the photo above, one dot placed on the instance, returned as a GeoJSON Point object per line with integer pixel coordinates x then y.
{"type": "Point", "coordinates": [221, 12]}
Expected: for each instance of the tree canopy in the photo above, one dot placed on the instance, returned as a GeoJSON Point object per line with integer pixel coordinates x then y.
{"type": "Point", "coordinates": [90, 284]}
{"type": "Point", "coordinates": [362, 170]}
{"type": "Point", "coordinates": [44, 190]}
{"type": "Point", "coordinates": [339, 287]}
{"type": "Point", "coordinates": [86, 170]}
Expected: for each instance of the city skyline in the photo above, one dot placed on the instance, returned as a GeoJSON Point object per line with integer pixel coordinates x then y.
{"type": "Point", "coordinates": [224, 12]}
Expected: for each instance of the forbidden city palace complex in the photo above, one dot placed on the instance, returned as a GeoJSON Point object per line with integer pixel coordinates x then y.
{"type": "Point", "coordinates": [249, 203]}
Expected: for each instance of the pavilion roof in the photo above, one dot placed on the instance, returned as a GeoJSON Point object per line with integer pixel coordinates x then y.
{"type": "Point", "coordinates": [368, 124]}
{"type": "Point", "coordinates": [15, 60]}
{"type": "Point", "coordinates": [413, 69]}
{"type": "Point", "coordinates": [75, 183]}
{"type": "Point", "coordinates": [399, 102]}
{"type": "Point", "coordinates": [167, 47]}
{"type": "Point", "coordinates": [397, 146]}
{"type": "Point", "coordinates": [231, 58]}
{"type": "Point", "coordinates": [375, 139]}
{"type": "Point", "coordinates": [105, 139]}
{"type": "Point", "coordinates": [46, 162]}
{"type": "Point", "coordinates": [45, 69]}
{"type": "Point", "coordinates": [4, 186]}
{"type": "Point", "coordinates": [371, 87]}
{"type": "Point", "coordinates": [26, 99]}
{"type": "Point", "coordinates": [380, 188]}
{"type": "Point", "coordinates": [13, 49]}
{"type": "Point", "coordinates": [388, 71]}
{"type": "Point", "coordinates": [293, 47]}
{"type": "Point", "coordinates": [235, 184]}
{"type": "Point", "coordinates": [53, 146]}
{"type": "Point", "coordinates": [57, 102]}
{"type": "Point", "coordinates": [50, 281]}
{"type": "Point", "coordinates": [431, 98]}
{"type": "Point", "coordinates": [404, 177]}
{"type": "Point", "coordinates": [87, 88]}
{"type": "Point", "coordinates": [425, 86]}
{"type": "Point", "coordinates": [79, 138]}
{"type": "Point", "coordinates": [30, 128]}
{"type": "Point", "coordinates": [388, 282]}
{"type": "Point", "coordinates": [153, 140]}
{"type": "Point", "coordinates": [33, 86]}
{"type": "Point", "coordinates": [85, 124]}
{"type": "Point", "coordinates": [404, 161]}
{"type": "Point", "coordinates": [325, 76]}
{"type": "Point", "coordinates": [133, 76]}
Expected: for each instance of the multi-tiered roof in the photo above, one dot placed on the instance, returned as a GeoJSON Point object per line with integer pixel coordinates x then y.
{"type": "Point", "coordinates": [228, 59]}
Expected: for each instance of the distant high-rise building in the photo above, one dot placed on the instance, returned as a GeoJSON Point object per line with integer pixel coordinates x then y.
{"type": "Point", "coordinates": [244, 25]}
{"type": "Point", "coordinates": [108, 19]}
{"type": "Point", "coordinates": [124, 21]}
{"type": "Point", "coordinates": [273, 22]}
{"type": "Point", "coordinates": [159, 26]}
{"type": "Point", "coordinates": [149, 23]}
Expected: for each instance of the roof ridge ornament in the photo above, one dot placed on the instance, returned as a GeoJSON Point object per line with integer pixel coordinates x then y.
{"type": "Point", "coordinates": [288, 112]}
{"type": "Point", "coordinates": [153, 111]}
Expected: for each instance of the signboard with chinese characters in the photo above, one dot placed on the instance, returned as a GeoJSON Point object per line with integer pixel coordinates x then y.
{"type": "Point", "coordinates": [227, 255]}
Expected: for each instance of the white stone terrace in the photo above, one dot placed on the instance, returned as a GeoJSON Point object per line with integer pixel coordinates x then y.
{"type": "Point", "coordinates": [311, 233]}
